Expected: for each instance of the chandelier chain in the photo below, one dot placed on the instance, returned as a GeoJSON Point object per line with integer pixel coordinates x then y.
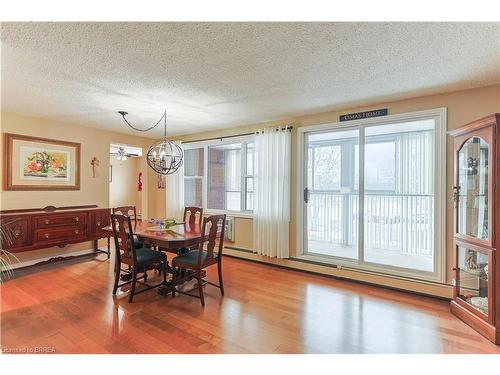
{"type": "Point", "coordinates": [164, 157]}
{"type": "Point", "coordinates": [163, 117]}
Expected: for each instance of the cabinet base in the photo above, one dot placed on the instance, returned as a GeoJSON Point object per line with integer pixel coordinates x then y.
{"type": "Point", "coordinates": [475, 322]}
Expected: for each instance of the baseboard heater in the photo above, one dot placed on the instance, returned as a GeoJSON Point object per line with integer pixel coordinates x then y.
{"type": "Point", "coordinates": [342, 267]}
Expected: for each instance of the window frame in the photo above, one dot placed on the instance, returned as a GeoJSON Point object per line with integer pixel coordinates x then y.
{"type": "Point", "coordinates": [440, 117]}
{"type": "Point", "coordinates": [245, 176]}
{"type": "Point", "coordinates": [196, 177]}
{"type": "Point", "coordinates": [244, 140]}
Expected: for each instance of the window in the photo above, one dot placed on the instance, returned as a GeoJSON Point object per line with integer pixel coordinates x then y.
{"type": "Point", "coordinates": [249, 177]}
{"type": "Point", "coordinates": [392, 200]}
{"type": "Point", "coordinates": [326, 167]}
{"type": "Point", "coordinates": [193, 176]}
{"type": "Point", "coordinates": [380, 167]}
{"type": "Point", "coordinates": [219, 175]}
{"type": "Point", "coordinates": [224, 177]}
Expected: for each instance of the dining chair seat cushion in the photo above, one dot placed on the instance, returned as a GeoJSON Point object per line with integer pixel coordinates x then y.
{"type": "Point", "coordinates": [138, 244]}
{"type": "Point", "coordinates": [190, 257]}
{"type": "Point", "coordinates": [183, 250]}
{"type": "Point", "coordinates": [148, 256]}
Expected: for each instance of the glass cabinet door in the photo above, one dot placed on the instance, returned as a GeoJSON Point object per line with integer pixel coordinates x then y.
{"type": "Point", "coordinates": [472, 278]}
{"type": "Point", "coordinates": [472, 182]}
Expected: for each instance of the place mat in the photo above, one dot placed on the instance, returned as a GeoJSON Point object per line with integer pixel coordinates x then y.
{"type": "Point", "coordinates": [157, 229]}
{"type": "Point", "coordinates": [162, 230]}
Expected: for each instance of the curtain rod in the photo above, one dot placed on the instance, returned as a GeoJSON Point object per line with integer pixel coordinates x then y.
{"type": "Point", "coordinates": [234, 136]}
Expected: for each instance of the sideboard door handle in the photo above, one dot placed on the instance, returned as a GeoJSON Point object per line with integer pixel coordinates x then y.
{"type": "Point", "coordinates": [76, 231]}
{"type": "Point", "coordinates": [77, 218]}
{"type": "Point", "coordinates": [46, 235]}
{"type": "Point", "coordinates": [46, 221]}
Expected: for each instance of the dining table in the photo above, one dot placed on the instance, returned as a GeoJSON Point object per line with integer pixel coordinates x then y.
{"type": "Point", "coordinates": [171, 239]}
{"type": "Point", "coordinates": [180, 235]}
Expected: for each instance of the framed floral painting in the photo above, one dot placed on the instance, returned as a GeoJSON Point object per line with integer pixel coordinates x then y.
{"type": "Point", "coordinates": [33, 163]}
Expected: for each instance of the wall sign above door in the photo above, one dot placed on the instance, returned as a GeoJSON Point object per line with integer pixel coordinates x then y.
{"type": "Point", "coordinates": [361, 115]}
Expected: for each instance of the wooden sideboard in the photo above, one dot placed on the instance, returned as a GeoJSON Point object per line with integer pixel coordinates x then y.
{"type": "Point", "coordinates": [32, 229]}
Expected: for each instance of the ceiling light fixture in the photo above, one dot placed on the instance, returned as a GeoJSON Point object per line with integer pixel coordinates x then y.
{"type": "Point", "coordinates": [164, 157]}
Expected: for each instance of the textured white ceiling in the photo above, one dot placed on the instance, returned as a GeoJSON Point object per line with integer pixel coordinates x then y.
{"type": "Point", "coordinates": [216, 75]}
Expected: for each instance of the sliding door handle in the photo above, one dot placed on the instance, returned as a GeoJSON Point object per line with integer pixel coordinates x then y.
{"type": "Point", "coordinates": [306, 195]}
{"type": "Point", "coordinates": [456, 194]}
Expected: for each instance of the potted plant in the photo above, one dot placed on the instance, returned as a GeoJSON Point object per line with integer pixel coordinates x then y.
{"type": "Point", "coordinates": [6, 258]}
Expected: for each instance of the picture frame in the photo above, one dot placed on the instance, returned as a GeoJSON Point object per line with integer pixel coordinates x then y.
{"type": "Point", "coordinates": [33, 163]}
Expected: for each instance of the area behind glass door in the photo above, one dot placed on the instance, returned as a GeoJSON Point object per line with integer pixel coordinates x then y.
{"type": "Point", "coordinates": [473, 283]}
{"type": "Point", "coordinates": [399, 195]}
{"type": "Point", "coordinates": [472, 181]}
{"type": "Point", "coordinates": [332, 196]}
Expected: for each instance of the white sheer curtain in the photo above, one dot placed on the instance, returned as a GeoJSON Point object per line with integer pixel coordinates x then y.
{"type": "Point", "coordinates": [415, 184]}
{"type": "Point", "coordinates": [272, 193]}
{"type": "Point", "coordinates": [175, 194]}
{"type": "Point", "coordinates": [415, 172]}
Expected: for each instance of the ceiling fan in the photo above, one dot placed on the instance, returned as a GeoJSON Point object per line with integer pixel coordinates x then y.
{"type": "Point", "coordinates": [121, 154]}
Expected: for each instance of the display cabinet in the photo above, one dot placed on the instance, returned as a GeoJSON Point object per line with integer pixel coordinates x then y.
{"type": "Point", "coordinates": [476, 197]}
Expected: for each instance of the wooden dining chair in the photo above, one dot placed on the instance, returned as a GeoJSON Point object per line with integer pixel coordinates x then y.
{"type": "Point", "coordinates": [193, 212]}
{"type": "Point", "coordinates": [138, 259]}
{"type": "Point", "coordinates": [127, 211]}
{"type": "Point", "coordinates": [197, 260]}
{"type": "Point", "coordinates": [192, 215]}
{"type": "Point", "coordinates": [131, 212]}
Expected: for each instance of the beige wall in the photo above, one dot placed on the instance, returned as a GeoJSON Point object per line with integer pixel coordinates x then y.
{"type": "Point", "coordinates": [94, 142]}
{"type": "Point", "coordinates": [157, 197]}
{"type": "Point", "coordinates": [463, 107]}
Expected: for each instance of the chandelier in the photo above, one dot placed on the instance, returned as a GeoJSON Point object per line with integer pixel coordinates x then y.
{"type": "Point", "coordinates": [164, 157]}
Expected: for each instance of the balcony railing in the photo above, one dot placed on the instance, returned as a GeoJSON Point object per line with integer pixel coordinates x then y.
{"type": "Point", "coordinates": [402, 223]}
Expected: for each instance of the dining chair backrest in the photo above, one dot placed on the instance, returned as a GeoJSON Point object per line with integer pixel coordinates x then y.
{"type": "Point", "coordinates": [126, 211]}
{"type": "Point", "coordinates": [123, 246]}
{"type": "Point", "coordinates": [213, 227]}
{"type": "Point", "coordinates": [195, 215]}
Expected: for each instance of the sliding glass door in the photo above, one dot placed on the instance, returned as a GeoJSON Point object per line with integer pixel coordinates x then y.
{"type": "Point", "coordinates": [399, 195]}
{"type": "Point", "coordinates": [331, 195]}
{"type": "Point", "coordinates": [369, 195]}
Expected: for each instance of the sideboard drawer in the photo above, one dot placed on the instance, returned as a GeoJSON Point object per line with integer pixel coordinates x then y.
{"type": "Point", "coordinates": [102, 219]}
{"type": "Point", "coordinates": [59, 220]}
{"type": "Point", "coordinates": [72, 234]}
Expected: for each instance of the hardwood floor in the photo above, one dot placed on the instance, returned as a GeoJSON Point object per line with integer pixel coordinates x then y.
{"type": "Point", "coordinates": [70, 308]}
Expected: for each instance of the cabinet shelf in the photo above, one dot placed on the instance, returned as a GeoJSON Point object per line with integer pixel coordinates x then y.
{"type": "Point", "coordinates": [479, 275]}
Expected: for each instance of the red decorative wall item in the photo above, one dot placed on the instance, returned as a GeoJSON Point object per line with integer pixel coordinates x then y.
{"type": "Point", "coordinates": [139, 182]}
